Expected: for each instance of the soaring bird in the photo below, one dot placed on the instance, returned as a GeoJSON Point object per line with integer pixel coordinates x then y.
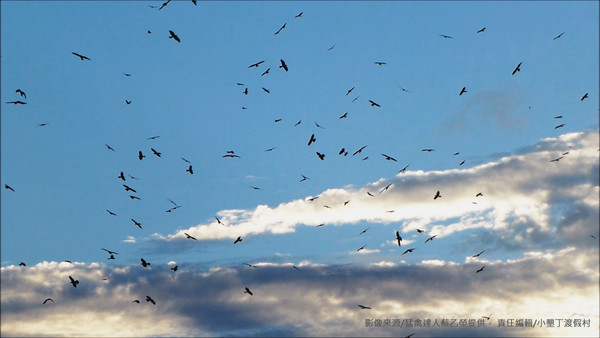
{"type": "Point", "coordinates": [398, 238]}
{"type": "Point", "coordinates": [219, 221]}
{"type": "Point", "coordinates": [362, 232]}
{"type": "Point", "coordinates": [110, 252]}
{"type": "Point", "coordinates": [190, 170]}
{"type": "Point", "coordinates": [403, 169]}
{"type": "Point", "coordinates": [295, 267]}
{"type": "Point", "coordinates": [164, 5]}
{"type": "Point", "coordinates": [127, 74]}
{"type": "Point", "coordinates": [559, 126]}
{"type": "Point", "coordinates": [48, 299]}
{"type": "Point", "coordinates": [22, 93]}
{"type": "Point", "coordinates": [186, 161]}
{"type": "Point", "coordinates": [558, 36]}
{"type": "Point", "coordinates": [248, 292]}
{"type": "Point", "coordinates": [408, 250]}
{"type": "Point", "coordinates": [148, 298]}
{"type": "Point", "coordinates": [174, 36]}
{"type": "Point", "coordinates": [266, 90]}
{"type": "Point", "coordinates": [256, 64]}
{"type": "Point", "coordinates": [22, 264]}
{"type": "Point", "coordinates": [282, 27]}
{"type": "Point", "coordinates": [271, 149]}
{"type": "Point", "coordinates": [364, 307]}
{"type": "Point", "coordinates": [330, 48]}
{"type": "Point", "coordinates": [299, 15]}
{"type": "Point", "coordinates": [134, 197]}
{"type": "Point", "coordinates": [389, 158]}
{"type": "Point", "coordinates": [556, 159]}
{"type": "Point", "coordinates": [478, 271]}
{"type": "Point", "coordinates": [16, 102]}
{"type": "Point", "coordinates": [487, 317]}
{"type": "Point", "coordinates": [121, 176]}
{"type": "Point", "coordinates": [109, 147]}
{"type": "Point", "coordinates": [585, 96]}
{"type": "Point", "coordinates": [297, 123]}
{"type": "Point", "coordinates": [359, 150]}
{"type": "Point", "coordinates": [255, 188]}
{"type": "Point", "coordinates": [362, 247]}
{"type": "Point", "coordinates": [111, 257]}
{"type": "Point", "coordinates": [321, 156]}
{"type": "Point", "coordinates": [437, 195]}
{"type": "Point", "coordinates": [155, 152]}
{"type": "Point", "coordinates": [265, 72]}
{"type": "Point", "coordinates": [6, 186]}
{"type": "Point", "coordinates": [249, 265]}
{"type": "Point", "coordinates": [127, 102]}
{"type": "Point", "coordinates": [446, 36]}
{"type": "Point", "coordinates": [354, 99]}
{"type": "Point", "coordinates": [239, 239]}
{"type": "Point", "coordinates": [373, 104]}
{"type": "Point", "coordinates": [379, 63]}
{"type": "Point", "coordinates": [137, 223]}
{"type": "Point", "coordinates": [461, 163]}
{"type": "Point", "coordinates": [189, 236]}
{"type": "Point", "coordinates": [342, 151]}
{"type": "Point", "coordinates": [517, 69]}
{"type": "Point", "coordinates": [420, 231]}
{"type": "Point", "coordinates": [74, 282]}
{"type": "Point", "coordinates": [318, 126]}
{"type": "Point", "coordinates": [43, 124]}
{"type": "Point", "coordinates": [144, 263]}
{"type": "Point", "coordinates": [127, 188]}
{"type": "Point", "coordinates": [82, 57]}
{"type": "Point", "coordinates": [230, 156]}
{"type": "Point", "coordinates": [368, 193]}
{"type": "Point", "coordinates": [175, 268]}
{"type": "Point", "coordinates": [349, 91]}
{"type": "Point", "coordinates": [481, 30]}
{"type": "Point", "coordinates": [140, 155]}
{"type": "Point", "coordinates": [479, 254]}
{"type": "Point", "coordinates": [462, 91]}
{"type": "Point", "coordinates": [283, 65]}
{"type": "Point", "coordinates": [304, 178]}
{"type": "Point", "coordinates": [111, 213]}
{"type": "Point", "coordinates": [428, 150]}
{"type": "Point", "coordinates": [386, 187]}
{"type": "Point", "coordinates": [345, 115]}
{"type": "Point", "coordinates": [430, 238]}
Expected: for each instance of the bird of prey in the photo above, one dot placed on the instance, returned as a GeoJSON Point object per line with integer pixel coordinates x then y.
{"type": "Point", "coordinates": [404, 90]}
{"type": "Point", "coordinates": [403, 169]}
{"type": "Point", "coordinates": [345, 115]}
{"type": "Point", "coordinates": [313, 198]}
{"type": "Point", "coordinates": [110, 252]}
{"type": "Point", "coordinates": [137, 223]}
{"type": "Point", "coordinates": [362, 247]}
{"type": "Point", "coordinates": [559, 126]}
{"type": "Point", "coordinates": [364, 307]}
{"type": "Point", "coordinates": [164, 5]}
{"type": "Point", "coordinates": [299, 15]}
{"type": "Point", "coordinates": [175, 268]}
{"type": "Point", "coordinates": [109, 147]}
{"type": "Point", "coordinates": [249, 265]}
{"type": "Point", "coordinates": [359, 150]}
{"type": "Point", "coordinates": [389, 158]}
{"type": "Point", "coordinates": [430, 238]}
{"type": "Point", "coordinates": [398, 238]}
{"type": "Point", "coordinates": [153, 137]}
{"type": "Point", "coordinates": [295, 267]}
{"type": "Point", "coordinates": [82, 57]}
{"type": "Point", "coordinates": [478, 271]}
{"type": "Point", "coordinates": [155, 152]}
{"type": "Point", "coordinates": [16, 102]}
{"type": "Point", "coordinates": [481, 30]}
{"type": "Point", "coordinates": [136, 301]}
{"type": "Point", "coordinates": [346, 202]}
{"type": "Point", "coordinates": [132, 177]}
{"type": "Point", "coordinates": [248, 292]}
{"type": "Point", "coordinates": [127, 188]}
{"type": "Point", "coordinates": [6, 186]}
{"type": "Point", "coordinates": [43, 124]}
{"type": "Point", "coordinates": [461, 163]}
{"type": "Point", "coordinates": [373, 104]}
{"type": "Point", "coordinates": [556, 159]}
{"type": "Point", "coordinates": [256, 64]}
{"type": "Point", "coordinates": [282, 27]}
{"type": "Point", "coordinates": [594, 237]}
{"type": "Point", "coordinates": [127, 74]}
{"type": "Point", "coordinates": [283, 65]}
{"type": "Point", "coordinates": [297, 123]}
{"type": "Point", "coordinates": [321, 156]}
{"type": "Point", "coordinates": [219, 221]}
{"type": "Point", "coordinates": [354, 99]}
{"type": "Point", "coordinates": [312, 139]}
{"type": "Point", "coordinates": [330, 48]}
{"type": "Point", "coordinates": [121, 176]}
{"type": "Point", "coordinates": [22, 93]}
{"type": "Point", "coordinates": [144, 263]}
{"type": "Point", "coordinates": [585, 96]}
{"type": "Point", "coordinates": [127, 102]}
{"type": "Point", "coordinates": [558, 36]}
{"type": "Point", "coordinates": [148, 298]}
{"type": "Point", "coordinates": [185, 160]}
{"type": "Point", "coordinates": [386, 188]}
{"type": "Point", "coordinates": [479, 194]}
{"type": "Point", "coordinates": [194, 2]}
{"type": "Point", "coordinates": [408, 250]}
{"type": "Point", "coordinates": [304, 178]}
{"type": "Point", "coordinates": [517, 69]}
{"type": "Point", "coordinates": [478, 254]}
{"type": "Point", "coordinates": [462, 91]}
{"type": "Point", "coordinates": [320, 225]}
{"type": "Point", "coordinates": [456, 153]}
{"type": "Point", "coordinates": [342, 151]}
{"type": "Point", "coordinates": [231, 156]}
{"type": "Point", "coordinates": [271, 149]}
{"type": "Point", "coordinates": [379, 63]}
{"type": "Point", "coordinates": [111, 213]}
{"type": "Point", "coordinates": [428, 150]}
{"type": "Point", "coordinates": [48, 299]}
{"type": "Point", "coordinates": [255, 188]}
{"type": "Point", "coordinates": [349, 91]}
{"type": "Point", "coordinates": [22, 264]}
{"type": "Point", "coordinates": [265, 72]}
{"type": "Point", "coordinates": [318, 126]}
{"type": "Point", "coordinates": [74, 282]}
{"type": "Point", "coordinates": [266, 90]}
{"type": "Point", "coordinates": [245, 91]}
{"type": "Point", "coordinates": [190, 170]}
{"type": "Point", "coordinates": [362, 232]}
{"type": "Point", "coordinates": [174, 36]}
{"type": "Point", "coordinates": [368, 193]}
{"type": "Point", "coordinates": [239, 239]}
{"type": "Point", "coordinates": [437, 195]}
{"type": "Point", "coordinates": [558, 117]}
{"type": "Point", "coordinates": [446, 36]}
{"type": "Point", "coordinates": [487, 317]}
{"type": "Point", "coordinates": [420, 231]}
{"type": "Point", "coordinates": [365, 158]}
{"type": "Point", "coordinates": [140, 155]}
{"type": "Point", "coordinates": [189, 236]}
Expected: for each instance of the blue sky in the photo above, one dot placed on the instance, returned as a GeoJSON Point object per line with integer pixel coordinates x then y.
{"type": "Point", "coordinates": [64, 177]}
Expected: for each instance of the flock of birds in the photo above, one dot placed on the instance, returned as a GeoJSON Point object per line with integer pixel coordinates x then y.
{"type": "Point", "coordinates": [231, 154]}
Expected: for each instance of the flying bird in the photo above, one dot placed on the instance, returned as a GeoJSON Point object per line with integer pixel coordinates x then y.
{"type": "Point", "coordinates": [127, 188]}
{"type": "Point", "coordinates": [349, 91]}
{"type": "Point", "coordinates": [461, 163]}
{"type": "Point", "coordinates": [517, 69]}
{"type": "Point", "coordinates": [437, 195]}
{"type": "Point", "coordinates": [136, 301]}
{"type": "Point", "coordinates": [321, 156]}
{"type": "Point", "coordinates": [109, 147]}
{"type": "Point", "coordinates": [189, 236]}
{"type": "Point", "coordinates": [139, 225]}
{"type": "Point", "coordinates": [219, 221]}
{"type": "Point", "coordinates": [354, 99]}
{"type": "Point", "coordinates": [558, 36]}
{"type": "Point", "coordinates": [230, 156]}
{"type": "Point", "coordinates": [408, 250]}
{"type": "Point", "coordinates": [266, 90]}
{"type": "Point", "coordinates": [21, 102]}
{"type": "Point", "coordinates": [190, 170]}
{"type": "Point", "coordinates": [446, 36]}
{"type": "Point", "coordinates": [111, 213]}
{"type": "Point", "coordinates": [297, 123]}
{"type": "Point", "coordinates": [362, 247]}
{"type": "Point", "coordinates": [481, 30]}
{"type": "Point", "coordinates": [368, 193]}
{"type": "Point", "coordinates": [22, 93]}
{"type": "Point", "coordinates": [239, 239]}
{"type": "Point", "coordinates": [265, 72]}
{"type": "Point", "coordinates": [127, 74]}
{"type": "Point", "coordinates": [556, 159]}
{"type": "Point", "coordinates": [558, 117]}
{"type": "Point", "coordinates": [140, 155]}
{"type": "Point", "coordinates": [175, 268]}
{"type": "Point", "coordinates": [403, 169]}
{"type": "Point", "coordinates": [430, 238]}
{"type": "Point", "coordinates": [111, 257]}
{"type": "Point", "coordinates": [479, 194]}
{"type": "Point", "coordinates": [255, 188]}
{"type": "Point", "coordinates": [389, 158]}
{"type": "Point", "coordinates": [345, 115]}
{"type": "Point", "coordinates": [487, 317]}
{"type": "Point", "coordinates": [318, 126]}
{"type": "Point", "coordinates": [127, 102]}
{"type": "Point", "coordinates": [248, 292]}
{"type": "Point", "coordinates": [249, 265]}
{"type": "Point", "coordinates": [330, 48]}
{"type": "Point", "coordinates": [359, 150]}
{"type": "Point", "coordinates": [82, 57]}
{"type": "Point", "coordinates": [373, 104]}
{"type": "Point", "coordinates": [462, 91]}
{"type": "Point", "coordinates": [22, 264]}
{"type": "Point", "coordinates": [148, 298]}
{"type": "Point", "coordinates": [362, 232]}
{"type": "Point", "coordinates": [364, 307]}
{"type": "Point", "coordinates": [420, 231]}
{"type": "Point", "coordinates": [164, 5]}
{"type": "Point", "coordinates": [478, 271]}
{"type": "Point", "coordinates": [342, 151]}
{"type": "Point", "coordinates": [304, 178]}
{"type": "Point", "coordinates": [283, 65]}
{"type": "Point", "coordinates": [43, 124]}
{"type": "Point", "coordinates": [282, 27]}
{"type": "Point", "coordinates": [144, 263]}
{"type": "Point", "coordinates": [185, 160]}
{"type": "Point", "coordinates": [153, 137]}
{"type": "Point", "coordinates": [121, 176]}
{"type": "Point", "coordinates": [295, 267]}
{"type": "Point", "coordinates": [47, 300]}
{"type": "Point", "coordinates": [386, 188]}
{"type": "Point", "coordinates": [174, 36]}
{"type": "Point", "coordinates": [110, 252]}
{"type": "Point", "coordinates": [479, 254]}
{"type": "Point", "coordinates": [256, 64]}
{"type": "Point", "coordinates": [398, 238]}
{"type": "Point", "coordinates": [428, 150]}
{"type": "Point", "coordinates": [379, 63]}
{"type": "Point", "coordinates": [299, 15]}
{"type": "Point", "coordinates": [6, 186]}
{"type": "Point", "coordinates": [585, 96]}
{"type": "Point", "coordinates": [155, 152]}
{"type": "Point", "coordinates": [74, 282]}
{"type": "Point", "coordinates": [313, 198]}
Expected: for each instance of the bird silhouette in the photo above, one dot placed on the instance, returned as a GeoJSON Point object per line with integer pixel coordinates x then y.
{"type": "Point", "coordinates": [362, 232]}
{"type": "Point", "coordinates": [379, 63]}
{"type": "Point", "coordinates": [389, 158]}
{"type": "Point", "coordinates": [144, 263]}
{"type": "Point", "coordinates": [461, 163]}
{"type": "Point", "coordinates": [136, 301]}
{"type": "Point", "coordinates": [462, 91]}
{"type": "Point", "coordinates": [174, 36]}
{"type": "Point", "coordinates": [250, 265]}
{"type": "Point", "coordinates": [239, 239]}
{"type": "Point", "coordinates": [140, 155]}
{"type": "Point", "coordinates": [559, 126]}
{"type": "Point", "coordinates": [74, 282]}
{"type": "Point", "coordinates": [479, 254]}
{"type": "Point", "coordinates": [127, 74]}
{"type": "Point", "coordinates": [186, 161]}
{"type": "Point", "coordinates": [398, 238]}
{"type": "Point", "coordinates": [446, 36]}
{"type": "Point", "coordinates": [487, 317]}
{"type": "Point", "coordinates": [479, 194]}
{"type": "Point", "coordinates": [127, 102]}
{"type": "Point", "coordinates": [219, 221]}
{"type": "Point", "coordinates": [330, 48]}
{"type": "Point", "coordinates": [148, 298]}
{"type": "Point", "coordinates": [437, 195]}
{"type": "Point", "coordinates": [299, 15]}
{"type": "Point", "coordinates": [175, 268]}
{"type": "Point", "coordinates": [256, 64]}
{"type": "Point", "coordinates": [22, 264]}
{"type": "Point", "coordinates": [373, 104]}
{"type": "Point", "coordinates": [282, 27]}
{"type": "Point", "coordinates": [139, 225]}
{"type": "Point", "coordinates": [558, 117]}
{"type": "Point", "coordinates": [403, 169]}
{"type": "Point", "coordinates": [164, 5]}
{"type": "Point", "coordinates": [517, 69]}
{"type": "Point", "coordinates": [6, 186]}
{"type": "Point", "coordinates": [359, 150]}
{"type": "Point", "coordinates": [283, 65]}
{"type": "Point", "coordinates": [585, 96]}
{"type": "Point", "coordinates": [248, 292]}
{"type": "Point", "coordinates": [386, 187]}
{"type": "Point", "coordinates": [121, 176]}
{"type": "Point", "coordinates": [297, 123]}
{"type": "Point", "coordinates": [110, 252]}
{"type": "Point", "coordinates": [481, 30]}
{"type": "Point", "coordinates": [127, 188]}
{"type": "Point", "coordinates": [21, 102]}
{"type": "Point", "coordinates": [364, 307]}
{"type": "Point", "coordinates": [408, 250]}
{"type": "Point", "coordinates": [20, 92]}
{"type": "Point", "coordinates": [304, 178]}
{"type": "Point", "coordinates": [478, 271]}
{"type": "Point", "coordinates": [556, 159]}
{"type": "Point", "coordinates": [47, 300]}
{"type": "Point", "coordinates": [362, 247]}
{"type": "Point", "coordinates": [558, 36]}
{"type": "Point", "coordinates": [189, 236]}
{"type": "Point", "coordinates": [82, 57]}
{"type": "Point", "coordinates": [271, 149]}
{"type": "Point", "coordinates": [420, 231]}
{"type": "Point", "coordinates": [265, 72]}
{"type": "Point", "coordinates": [109, 147]}
{"type": "Point", "coordinates": [190, 170]}
{"type": "Point", "coordinates": [43, 124]}
{"type": "Point", "coordinates": [111, 213]}
{"type": "Point", "coordinates": [230, 156]}
{"type": "Point", "coordinates": [349, 91]}
{"type": "Point", "coordinates": [345, 115]}
{"type": "Point", "coordinates": [428, 150]}
{"type": "Point", "coordinates": [295, 267]}
{"type": "Point", "coordinates": [368, 193]}
{"type": "Point", "coordinates": [134, 197]}
{"type": "Point", "coordinates": [266, 90]}
{"type": "Point", "coordinates": [155, 152]}
{"type": "Point", "coordinates": [430, 238]}
{"type": "Point", "coordinates": [321, 156]}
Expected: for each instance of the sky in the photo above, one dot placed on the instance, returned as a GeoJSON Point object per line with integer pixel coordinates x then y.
{"type": "Point", "coordinates": [515, 159]}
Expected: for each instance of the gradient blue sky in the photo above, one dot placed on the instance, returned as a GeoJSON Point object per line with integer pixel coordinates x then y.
{"type": "Point", "coordinates": [504, 128]}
